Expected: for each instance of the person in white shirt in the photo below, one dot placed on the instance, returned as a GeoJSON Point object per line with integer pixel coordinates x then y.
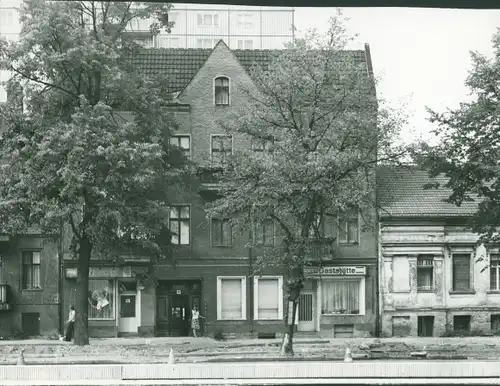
{"type": "Point", "coordinates": [70, 329]}
{"type": "Point", "coordinates": [195, 320]}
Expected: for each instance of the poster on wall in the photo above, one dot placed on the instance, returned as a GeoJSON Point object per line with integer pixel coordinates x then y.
{"type": "Point", "coordinates": [99, 298]}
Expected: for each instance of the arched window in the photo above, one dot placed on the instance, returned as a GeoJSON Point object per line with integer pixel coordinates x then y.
{"type": "Point", "coordinates": [221, 91]}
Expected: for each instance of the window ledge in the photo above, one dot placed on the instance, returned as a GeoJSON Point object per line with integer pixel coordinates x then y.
{"type": "Point", "coordinates": [431, 291]}
{"type": "Point", "coordinates": [221, 246]}
{"type": "Point", "coordinates": [103, 319]}
{"type": "Point", "coordinates": [492, 292]}
{"type": "Point", "coordinates": [269, 320]}
{"type": "Point", "coordinates": [354, 244]}
{"type": "Point", "coordinates": [231, 320]}
{"type": "Point", "coordinates": [32, 289]}
{"type": "Point", "coordinates": [462, 292]}
{"type": "Point", "coordinates": [336, 315]}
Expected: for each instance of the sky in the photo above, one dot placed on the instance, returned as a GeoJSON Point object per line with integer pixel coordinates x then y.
{"type": "Point", "coordinates": [421, 56]}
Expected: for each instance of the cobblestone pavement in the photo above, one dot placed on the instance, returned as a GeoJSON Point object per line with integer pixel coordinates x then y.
{"type": "Point", "coordinates": [156, 350]}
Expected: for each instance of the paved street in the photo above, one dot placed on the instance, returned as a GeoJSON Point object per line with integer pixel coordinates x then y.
{"type": "Point", "coordinates": [197, 350]}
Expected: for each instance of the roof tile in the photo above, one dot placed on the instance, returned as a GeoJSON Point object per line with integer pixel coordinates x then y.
{"type": "Point", "coordinates": [401, 193]}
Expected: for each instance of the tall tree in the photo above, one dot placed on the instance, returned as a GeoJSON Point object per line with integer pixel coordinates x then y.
{"type": "Point", "coordinates": [70, 155]}
{"type": "Point", "coordinates": [316, 136]}
{"type": "Point", "coordinates": [468, 149]}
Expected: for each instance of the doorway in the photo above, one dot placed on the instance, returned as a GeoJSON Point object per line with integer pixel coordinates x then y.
{"type": "Point", "coordinates": [174, 300]}
{"type": "Point", "coordinates": [30, 323]}
{"type": "Point", "coordinates": [128, 320]}
{"type": "Point", "coordinates": [307, 312]}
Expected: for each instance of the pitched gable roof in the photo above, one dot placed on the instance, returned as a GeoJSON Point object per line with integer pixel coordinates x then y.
{"type": "Point", "coordinates": [401, 193]}
{"type": "Point", "coordinates": [179, 65]}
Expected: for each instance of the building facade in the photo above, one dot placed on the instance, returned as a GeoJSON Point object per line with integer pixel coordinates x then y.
{"type": "Point", "coordinates": [29, 286]}
{"type": "Point", "coordinates": [434, 281]}
{"type": "Point", "coordinates": [214, 266]}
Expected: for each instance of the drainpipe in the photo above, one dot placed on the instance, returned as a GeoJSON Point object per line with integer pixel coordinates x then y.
{"type": "Point", "coordinates": [380, 259]}
{"type": "Point", "coordinates": [250, 267]}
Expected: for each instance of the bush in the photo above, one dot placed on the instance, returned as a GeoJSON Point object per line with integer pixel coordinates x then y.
{"type": "Point", "coordinates": [219, 334]}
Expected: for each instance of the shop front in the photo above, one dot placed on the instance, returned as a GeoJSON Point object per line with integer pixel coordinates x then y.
{"type": "Point", "coordinates": [337, 301]}
{"type": "Point", "coordinates": [114, 300]}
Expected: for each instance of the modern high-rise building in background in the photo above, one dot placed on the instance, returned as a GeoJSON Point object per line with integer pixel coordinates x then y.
{"type": "Point", "coordinates": [196, 26]}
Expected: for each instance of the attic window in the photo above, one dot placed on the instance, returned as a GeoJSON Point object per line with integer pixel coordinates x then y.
{"type": "Point", "coordinates": [221, 91]}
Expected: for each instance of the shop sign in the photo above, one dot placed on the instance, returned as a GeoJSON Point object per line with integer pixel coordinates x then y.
{"type": "Point", "coordinates": [335, 271]}
{"type": "Point", "coordinates": [102, 272]}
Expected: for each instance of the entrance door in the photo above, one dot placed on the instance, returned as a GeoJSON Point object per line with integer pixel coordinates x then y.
{"type": "Point", "coordinates": [128, 321]}
{"type": "Point", "coordinates": [307, 312]}
{"type": "Point", "coordinates": [162, 316]}
{"type": "Point", "coordinates": [30, 323]}
{"type": "Point", "coordinates": [179, 315]}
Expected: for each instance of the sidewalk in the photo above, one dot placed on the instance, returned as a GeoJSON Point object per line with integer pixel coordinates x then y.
{"type": "Point", "coordinates": [195, 350]}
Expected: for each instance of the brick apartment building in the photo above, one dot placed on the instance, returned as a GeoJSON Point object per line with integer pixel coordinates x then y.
{"type": "Point", "coordinates": [214, 266]}
{"type": "Point", "coordinates": [433, 281]}
{"type": "Point", "coordinates": [29, 285]}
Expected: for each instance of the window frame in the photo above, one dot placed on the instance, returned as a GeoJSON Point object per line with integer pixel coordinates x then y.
{"type": "Point", "coordinates": [256, 296]}
{"type": "Point", "coordinates": [345, 222]}
{"type": "Point", "coordinates": [201, 16]}
{"type": "Point", "coordinates": [179, 137]}
{"type": "Point", "coordinates": [243, 281]}
{"type": "Point", "coordinates": [114, 290]}
{"type": "Point", "coordinates": [212, 243]}
{"type": "Point", "coordinates": [22, 276]}
{"type": "Point", "coordinates": [242, 21]}
{"type": "Point", "coordinates": [228, 90]}
{"type": "Point", "coordinates": [497, 269]}
{"type": "Point", "coordinates": [179, 219]}
{"type": "Point", "coordinates": [362, 295]}
{"type": "Point", "coordinates": [427, 268]}
{"type": "Point", "coordinates": [261, 226]}
{"type": "Point", "coordinates": [212, 136]}
{"type": "Point", "coordinates": [471, 283]}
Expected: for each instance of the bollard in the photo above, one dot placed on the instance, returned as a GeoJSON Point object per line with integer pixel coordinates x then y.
{"type": "Point", "coordinates": [171, 359]}
{"type": "Point", "coordinates": [20, 360]}
{"type": "Point", "coordinates": [348, 355]}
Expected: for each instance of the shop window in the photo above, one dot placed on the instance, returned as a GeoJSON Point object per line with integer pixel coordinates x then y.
{"type": "Point", "coordinates": [495, 324]}
{"type": "Point", "coordinates": [494, 272]}
{"type": "Point", "coordinates": [269, 298]}
{"type": "Point", "coordinates": [461, 272]}
{"type": "Point", "coordinates": [461, 323]}
{"type": "Point", "coordinates": [231, 298]}
{"type": "Point", "coordinates": [342, 296]}
{"type": "Point", "coordinates": [425, 325]}
{"type": "Point", "coordinates": [425, 273]}
{"type": "Point", "coordinates": [101, 299]}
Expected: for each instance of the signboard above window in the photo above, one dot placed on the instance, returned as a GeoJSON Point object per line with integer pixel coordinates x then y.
{"type": "Point", "coordinates": [102, 272]}
{"type": "Point", "coordinates": [335, 271]}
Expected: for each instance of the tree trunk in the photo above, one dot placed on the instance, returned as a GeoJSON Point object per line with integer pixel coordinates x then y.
{"type": "Point", "coordinates": [291, 312]}
{"type": "Point", "coordinates": [81, 306]}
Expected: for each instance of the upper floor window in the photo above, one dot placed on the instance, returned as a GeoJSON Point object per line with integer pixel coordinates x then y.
{"type": "Point", "coordinates": [221, 147]}
{"type": "Point", "coordinates": [245, 20]}
{"type": "Point", "coordinates": [265, 232]}
{"type": "Point", "coordinates": [183, 142]}
{"type": "Point", "coordinates": [349, 228]}
{"type": "Point", "coordinates": [495, 271]}
{"type": "Point", "coordinates": [206, 43]}
{"type": "Point", "coordinates": [261, 145]}
{"type": "Point", "coordinates": [221, 232]}
{"type": "Point", "coordinates": [425, 273]}
{"type": "Point", "coordinates": [31, 270]}
{"type": "Point", "coordinates": [461, 272]}
{"type": "Point", "coordinates": [179, 224]}
{"type": "Point", "coordinates": [208, 20]}
{"type": "Point", "coordinates": [245, 44]}
{"type": "Point", "coordinates": [221, 91]}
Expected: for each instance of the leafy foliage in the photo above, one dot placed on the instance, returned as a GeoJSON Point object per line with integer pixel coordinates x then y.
{"type": "Point", "coordinates": [86, 136]}
{"type": "Point", "coordinates": [468, 153]}
{"type": "Point", "coordinates": [313, 117]}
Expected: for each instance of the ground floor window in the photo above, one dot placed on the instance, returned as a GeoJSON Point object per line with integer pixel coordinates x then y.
{"type": "Point", "coordinates": [231, 298]}
{"type": "Point", "coordinates": [101, 299]}
{"type": "Point", "coordinates": [342, 296]}
{"type": "Point", "coordinates": [461, 323]}
{"type": "Point", "coordinates": [269, 297]}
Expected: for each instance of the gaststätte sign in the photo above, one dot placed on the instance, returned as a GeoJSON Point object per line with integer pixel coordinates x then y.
{"type": "Point", "coordinates": [335, 271]}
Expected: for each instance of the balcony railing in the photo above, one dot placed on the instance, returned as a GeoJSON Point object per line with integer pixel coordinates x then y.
{"type": "Point", "coordinates": [4, 304]}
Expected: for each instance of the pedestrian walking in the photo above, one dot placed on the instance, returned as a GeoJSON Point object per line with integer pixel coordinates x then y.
{"type": "Point", "coordinates": [70, 329]}
{"type": "Point", "coordinates": [195, 320]}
